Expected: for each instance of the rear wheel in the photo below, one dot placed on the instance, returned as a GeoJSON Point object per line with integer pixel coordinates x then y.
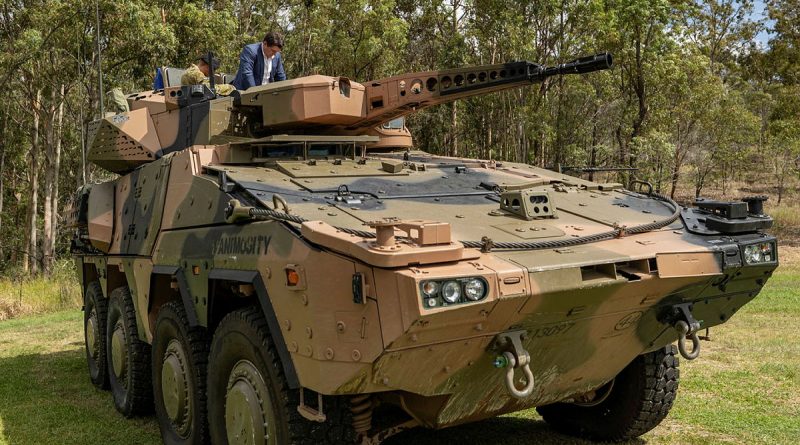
{"type": "Point", "coordinates": [128, 357]}
{"type": "Point", "coordinates": [95, 309]}
{"type": "Point", "coordinates": [180, 355]}
{"type": "Point", "coordinates": [249, 401]}
{"type": "Point", "coordinates": [639, 399]}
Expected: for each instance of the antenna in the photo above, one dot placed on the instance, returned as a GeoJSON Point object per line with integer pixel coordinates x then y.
{"type": "Point", "coordinates": [99, 60]}
{"type": "Point", "coordinates": [211, 80]}
{"type": "Point", "coordinates": [79, 60]}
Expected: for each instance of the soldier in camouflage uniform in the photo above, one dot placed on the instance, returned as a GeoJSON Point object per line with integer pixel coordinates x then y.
{"type": "Point", "coordinates": [117, 102]}
{"type": "Point", "coordinates": [197, 74]}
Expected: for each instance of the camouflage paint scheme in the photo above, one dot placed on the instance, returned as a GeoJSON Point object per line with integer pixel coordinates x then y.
{"type": "Point", "coordinates": [161, 229]}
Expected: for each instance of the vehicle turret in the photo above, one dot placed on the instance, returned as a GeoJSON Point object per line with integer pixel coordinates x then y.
{"type": "Point", "coordinates": [169, 120]}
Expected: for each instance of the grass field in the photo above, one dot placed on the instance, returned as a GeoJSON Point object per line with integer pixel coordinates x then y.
{"type": "Point", "coordinates": [744, 389]}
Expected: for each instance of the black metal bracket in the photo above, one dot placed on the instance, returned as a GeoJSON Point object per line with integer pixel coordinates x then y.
{"type": "Point", "coordinates": [755, 205]}
{"type": "Point", "coordinates": [681, 312]}
{"type": "Point", "coordinates": [702, 221]}
{"type": "Point", "coordinates": [358, 288]}
{"type": "Point", "coordinates": [723, 209]}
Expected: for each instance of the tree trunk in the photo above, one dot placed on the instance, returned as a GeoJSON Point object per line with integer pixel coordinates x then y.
{"type": "Point", "coordinates": [593, 152]}
{"type": "Point", "coordinates": [676, 171]}
{"type": "Point", "coordinates": [57, 167]}
{"type": "Point", "coordinates": [55, 116]}
{"type": "Point", "coordinates": [47, 220]}
{"type": "Point", "coordinates": [30, 263]}
{"type": "Point", "coordinates": [454, 129]}
{"type": "Point", "coordinates": [2, 182]}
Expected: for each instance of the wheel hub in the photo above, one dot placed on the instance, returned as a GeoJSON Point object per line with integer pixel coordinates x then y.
{"type": "Point", "coordinates": [175, 387]}
{"type": "Point", "coordinates": [92, 335]}
{"type": "Point", "coordinates": [247, 407]}
{"type": "Point", "coordinates": [119, 351]}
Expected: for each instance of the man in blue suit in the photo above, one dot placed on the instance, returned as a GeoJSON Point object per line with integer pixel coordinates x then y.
{"type": "Point", "coordinates": [260, 63]}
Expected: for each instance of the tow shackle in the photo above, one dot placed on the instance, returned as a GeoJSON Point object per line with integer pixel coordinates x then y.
{"type": "Point", "coordinates": [684, 332]}
{"type": "Point", "coordinates": [514, 357]}
{"type": "Point", "coordinates": [687, 327]}
{"type": "Point", "coordinates": [278, 200]}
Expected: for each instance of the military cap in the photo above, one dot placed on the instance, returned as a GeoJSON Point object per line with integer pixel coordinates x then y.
{"type": "Point", "coordinates": [214, 61]}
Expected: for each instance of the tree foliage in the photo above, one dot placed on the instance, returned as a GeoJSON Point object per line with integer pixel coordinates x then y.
{"type": "Point", "coordinates": [692, 98]}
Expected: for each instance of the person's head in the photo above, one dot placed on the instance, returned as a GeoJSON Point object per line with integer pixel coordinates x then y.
{"type": "Point", "coordinates": [272, 43]}
{"type": "Point", "coordinates": [203, 64]}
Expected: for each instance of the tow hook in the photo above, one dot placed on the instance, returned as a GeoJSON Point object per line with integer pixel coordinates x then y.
{"type": "Point", "coordinates": [687, 327]}
{"type": "Point", "coordinates": [514, 356]}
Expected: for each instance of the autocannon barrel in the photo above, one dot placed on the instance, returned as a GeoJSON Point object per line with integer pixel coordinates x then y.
{"type": "Point", "coordinates": [583, 65]}
{"type": "Point", "coordinates": [408, 93]}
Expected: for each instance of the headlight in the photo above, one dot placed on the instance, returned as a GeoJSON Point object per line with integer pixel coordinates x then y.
{"type": "Point", "coordinates": [759, 253]}
{"type": "Point", "coordinates": [474, 289]}
{"type": "Point", "coordinates": [430, 288]}
{"type": "Point", "coordinates": [446, 292]}
{"type": "Point", "coordinates": [451, 292]}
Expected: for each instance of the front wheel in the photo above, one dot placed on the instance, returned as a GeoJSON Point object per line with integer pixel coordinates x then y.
{"type": "Point", "coordinates": [249, 401]}
{"type": "Point", "coordinates": [637, 401]}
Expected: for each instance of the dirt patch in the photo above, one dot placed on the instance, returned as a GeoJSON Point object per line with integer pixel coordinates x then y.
{"type": "Point", "coordinates": [789, 256]}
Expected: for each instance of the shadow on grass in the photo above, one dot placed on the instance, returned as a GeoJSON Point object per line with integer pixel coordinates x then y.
{"type": "Point", "coordinates": [48, 399]}
{"type": "Point", "coordinates": [497, 431]}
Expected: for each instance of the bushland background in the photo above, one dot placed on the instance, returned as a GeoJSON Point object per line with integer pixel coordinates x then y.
{"type": "Point", "coordinates": [704, 100]}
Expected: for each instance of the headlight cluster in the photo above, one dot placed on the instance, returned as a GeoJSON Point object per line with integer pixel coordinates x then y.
{"type": "Point", "coordinates": [759, 253]}
{"type": "Point", "coordinates": [438, 293]}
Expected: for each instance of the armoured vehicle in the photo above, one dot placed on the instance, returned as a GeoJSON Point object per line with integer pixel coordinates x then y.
{"type": "Point", "coordinates": [259, 276]}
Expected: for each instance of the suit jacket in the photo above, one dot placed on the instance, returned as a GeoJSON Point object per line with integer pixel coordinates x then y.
{"type": "Point", "coordinates": [251, 67]}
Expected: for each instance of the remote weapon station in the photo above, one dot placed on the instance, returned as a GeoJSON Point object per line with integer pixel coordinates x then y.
{"type": "Point", "coordinates": [260, 276]}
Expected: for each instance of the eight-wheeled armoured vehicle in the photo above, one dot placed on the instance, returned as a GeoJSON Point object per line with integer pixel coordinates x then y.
{"type": "Point", "coordinates": [261, 276]}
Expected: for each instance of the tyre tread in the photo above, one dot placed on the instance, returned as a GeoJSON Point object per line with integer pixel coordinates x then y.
{"type": "Point", "coordinates": [140, 390]}
{"type": "Point", "coordinates": [95, 292]}
{"type": "Point", "coordinates": [651, 392]}
{"type": "Point", "coordinates": [199, 345]}
{"type": "Point", "coordinates": [337, 429]}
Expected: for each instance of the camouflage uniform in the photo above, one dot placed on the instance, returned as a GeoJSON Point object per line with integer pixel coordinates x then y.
{"type": "Point", "coordinates": [117, 101]}
{"type": "Point", "coordinates": [193, 76]}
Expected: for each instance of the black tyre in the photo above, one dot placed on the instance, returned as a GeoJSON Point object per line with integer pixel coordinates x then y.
{"type": "Point", "coordinates": [180, 356]}
{"type": "Point", "coordinates": [128, 357]}
{"type": "Point", "coordinates": [95, 311]}
{"type": "Point", "coordinates": [248, 398]}
{"type": "Point", "coordinates": [640, 398]}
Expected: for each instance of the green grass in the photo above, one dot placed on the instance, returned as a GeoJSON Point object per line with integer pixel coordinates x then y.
{"type": "Point", "coordinates": [744, 389]}
{"type": "Point", "coordinates": [45, 393]}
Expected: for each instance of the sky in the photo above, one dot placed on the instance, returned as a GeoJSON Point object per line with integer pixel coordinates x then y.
{"type": "Point", "coordinates": [760, 12]}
